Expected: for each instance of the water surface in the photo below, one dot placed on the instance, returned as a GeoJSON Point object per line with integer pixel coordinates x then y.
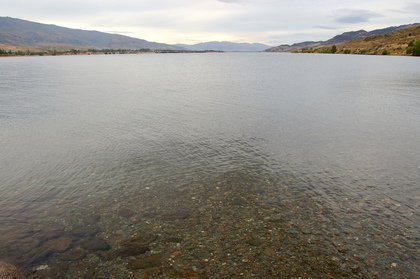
{"type": "Point", "coordinates": [332, 138]}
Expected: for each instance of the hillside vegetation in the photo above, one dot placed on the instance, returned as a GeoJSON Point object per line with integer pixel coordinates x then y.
{"type": "Point", "coordinates": [338, 39]}
{"type": "Point", "coordinates": [401, 42]}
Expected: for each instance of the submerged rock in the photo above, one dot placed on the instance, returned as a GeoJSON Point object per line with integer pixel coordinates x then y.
{"type": "Point", "coordinates": [95, 243]}
{"type": "Point", "coordinates": [172, 239]}
{"type": "Point", "coordinates": [59, 245]}
{"type": "Point", "coordinates": [28, 244]}
{"type": "Point", "coordinates": [8, 271]}
{"type": "Point", "coordinates": [190, 274]}
{"type": "Point", "coordinates": [140, 239]}
{"type": "Point", "coordinates": [179, 215]}
{"type": "Point", "coordinates": [85, 231]}
{"type": "Point", "coordinates": [136, 245]}
{"type": "Point", "coordinates": [74, 254]}
{"type": "Point", "coordinates": [50, 247]}
{"type": "Point", "coordinates": [132, 250]}
{"type": "Point", "coordinates": [146, 262]}
{"type": "Point", "coordinates": [148, 273]}
{"type": "Point", "coordinates": [13, 232]}
{"type": "Point", "coordinates": [126, 213]}
{"type": "Point", "coordinates": [92, 219]}
{"type": "Point", "coordinates": [254, 242]}
{"type": "Point", "coordinates": [51, 233]}
{"type": "Point", "coordinates": [54, 272]}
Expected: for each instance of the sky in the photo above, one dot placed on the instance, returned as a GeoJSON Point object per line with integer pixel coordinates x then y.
{"type": "Point", "coordinates": [272, 22]}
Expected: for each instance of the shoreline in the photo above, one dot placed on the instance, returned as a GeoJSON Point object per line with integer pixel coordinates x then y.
{"type": "Point", "coordinates": [97, 52]}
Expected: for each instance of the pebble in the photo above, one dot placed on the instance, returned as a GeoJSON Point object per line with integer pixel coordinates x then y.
{"type": "Point", "coordinates": [275, 218]}
{"type": "Point", "coordinates": [218, 240]}
{"type": "Point", "coordinates": [270, 251]}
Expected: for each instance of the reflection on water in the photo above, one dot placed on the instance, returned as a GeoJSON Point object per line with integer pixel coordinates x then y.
{"type": "Point", "coordinates": [213, 166]}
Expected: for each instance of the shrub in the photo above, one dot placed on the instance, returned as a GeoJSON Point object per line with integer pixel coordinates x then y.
{"type": "Point", "coordinates": [416, 48]}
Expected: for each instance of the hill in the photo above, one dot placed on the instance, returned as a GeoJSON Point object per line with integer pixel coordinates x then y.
{"type": "Point", "coordinates": [342, 38]}
{"type": "Point", "coordinates": [404, 41]}
{"type": "Point", "coordinates": [394, 43]}
{"type": "Point", "coordinates": [226, 46]}
{"type": "Point", "coordinates": [22, 33]}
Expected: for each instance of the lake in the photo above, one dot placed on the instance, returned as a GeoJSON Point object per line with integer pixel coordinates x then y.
{"type": "Point", "coordinates": [217, 165]}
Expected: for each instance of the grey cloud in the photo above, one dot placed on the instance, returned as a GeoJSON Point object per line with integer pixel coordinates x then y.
{"type": "Point", "coordinates": [326, 27]}
{"type": "Point", "coordinates": [355, 16]}
{"type": "Point", "coordinates": [412, 7]}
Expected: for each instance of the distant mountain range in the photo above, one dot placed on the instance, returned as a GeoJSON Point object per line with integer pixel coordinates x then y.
{"type": "Point", "coordinates": [226, 46]}
{"type": "Point", "coordinates": [18, 32]}
{"type": "Point", "coordinates": [342, 38]}
{"type": "Point", "coordinates": [22, 33]}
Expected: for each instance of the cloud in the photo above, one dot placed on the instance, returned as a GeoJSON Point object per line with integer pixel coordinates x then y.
{"type": "Point", "coordinates": [412, 8]}
{"type": "Point", "coordinates": [326, 27]}
{"type": "Point", "coordinates": [270, 21]}
{"type": "Point", "coordinates": [354, 16]}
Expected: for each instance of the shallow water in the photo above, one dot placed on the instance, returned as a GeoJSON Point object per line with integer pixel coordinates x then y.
{"type": "Point", "coordinates": [329, 142]}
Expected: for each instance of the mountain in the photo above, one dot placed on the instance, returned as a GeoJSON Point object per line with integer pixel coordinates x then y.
{"type": "Point", "coordinates": [226, 46]}
{"type": "Point", "coordinates": [22, 33]}
{"type": "Point", "coordinates": [342, 38]}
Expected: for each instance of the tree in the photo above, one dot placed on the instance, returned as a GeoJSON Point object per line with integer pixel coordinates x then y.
{"type": "Point", "coordinates": [416, 48]}
{"type": "Point", "coordinates": [334, 49]}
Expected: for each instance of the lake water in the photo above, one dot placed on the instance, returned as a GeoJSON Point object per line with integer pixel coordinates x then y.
{"type": "Point", "coordinates": [229, 165]}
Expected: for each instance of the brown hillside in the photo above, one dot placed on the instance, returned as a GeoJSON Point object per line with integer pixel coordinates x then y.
{"type": "Point", "coordinates": [17, 48]}
{"type": "Point", "coordinates": [394, 43]}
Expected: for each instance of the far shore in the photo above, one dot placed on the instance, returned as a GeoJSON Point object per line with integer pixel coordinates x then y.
{"type": "Point", "coordinates": [22, 52]}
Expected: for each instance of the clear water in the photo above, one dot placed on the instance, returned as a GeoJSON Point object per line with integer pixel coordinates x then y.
{"type": "Point", "coordinates": [85, 132]}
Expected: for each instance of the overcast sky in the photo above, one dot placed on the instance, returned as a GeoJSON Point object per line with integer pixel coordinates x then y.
{"type": "Point", "coordinates": [272, 22]}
